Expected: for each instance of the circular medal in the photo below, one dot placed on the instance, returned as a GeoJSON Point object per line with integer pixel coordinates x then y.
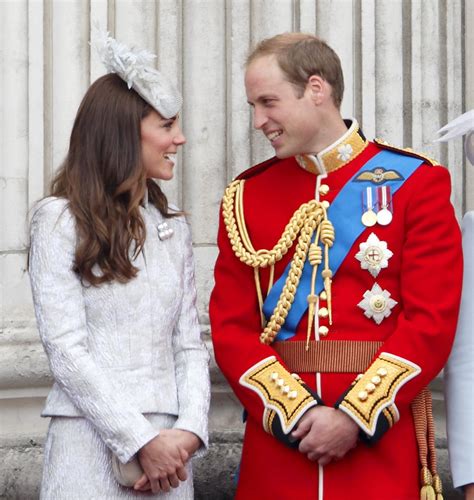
{"type": "Point", "coordinates": [384, 217]}
{"type": "Point", "coordinates": [369, 218]}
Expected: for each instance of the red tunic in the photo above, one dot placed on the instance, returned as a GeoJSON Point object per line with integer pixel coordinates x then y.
{"type": "Point", "coordinates": [423, 276]}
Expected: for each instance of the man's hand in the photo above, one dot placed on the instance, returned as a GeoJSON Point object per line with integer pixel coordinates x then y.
{"type": "Point", "coordinates": [326, 434]}
{"type": "Point", "coordinates": [163, 462]}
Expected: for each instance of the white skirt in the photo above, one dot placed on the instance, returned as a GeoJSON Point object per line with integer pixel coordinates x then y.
{"type": "Point", "coordinates": [77, 464]}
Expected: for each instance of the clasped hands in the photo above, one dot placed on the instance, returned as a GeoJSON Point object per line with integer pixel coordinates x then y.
{"type": "Point", "coordinates": [326, 434]}
{"type": "Point", "coordinates": [164, 459]}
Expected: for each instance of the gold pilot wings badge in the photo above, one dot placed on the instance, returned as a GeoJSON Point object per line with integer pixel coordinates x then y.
{"type": "Point", "coordinates": [379, 175]}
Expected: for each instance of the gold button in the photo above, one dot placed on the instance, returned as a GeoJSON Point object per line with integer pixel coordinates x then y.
{"type": "Point", "coordinates": [376, 380]}
{"type": "Point", "coordinates": [323, 330]}
{"type": "Point", "coordinates": [323, 295]}
{"type": "Point", "coordinates": [323, 312]}
{"type": "Point", "coordinates": [370, 388]}
{"type": "Point", "coordinates": [324, 189]}
{"type": "Point", "coordinates": [274, 376]}
{"type": "Point", "coordinates": [286, 389]}
{"type": "Point", "coordinates": [382, 372]}
{"type": "Point", "coordinates": [280, 382]}
{"type": "Point", "coordinates": [362, 395]}
{"type": "Point", "coordinates": [359, 376]}
{"type": "Point", "coordinates": [292, 395]}
{"type": "Point", "coordinates": [325, 204]}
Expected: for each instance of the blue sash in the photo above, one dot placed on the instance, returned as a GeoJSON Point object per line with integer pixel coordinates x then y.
{"type": "Point", "coordinates": [346, 219]}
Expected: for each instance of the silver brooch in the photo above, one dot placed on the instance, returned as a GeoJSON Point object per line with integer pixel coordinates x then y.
{"type": "Point", "coordinates": [164, 231]}
{"type": "Point", "coordinates": [377, 304]}
{"type": "Point", "coordinates": [373, 255]}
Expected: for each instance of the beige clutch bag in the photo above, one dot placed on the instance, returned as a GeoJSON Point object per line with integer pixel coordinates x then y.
{"type": "Point", "coordinates": [126, 474]}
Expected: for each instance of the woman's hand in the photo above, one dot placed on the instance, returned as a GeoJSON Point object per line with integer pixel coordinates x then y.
{"type": "Point", "coordinates": [163, 461]}
{"type": "Point", "coordinates": [185, 439]}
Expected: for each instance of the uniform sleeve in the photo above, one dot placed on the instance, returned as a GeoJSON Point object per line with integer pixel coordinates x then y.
{"type": "Point", "coordinates": [430, 283]}
{"type": "Point", "coordinates": [191, 356]}
{"type": "Point", "coordinates": [459, 374]}
{"type": "Point", "coordinates": [61, 319]}
{"type": "Point", "coordinates": [269, 393]}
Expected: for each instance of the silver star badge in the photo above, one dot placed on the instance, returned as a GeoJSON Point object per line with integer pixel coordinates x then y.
{"type": "Point", "coordinates": [377, 304]}
{"type": "Point", "coordinates": [373, 255]}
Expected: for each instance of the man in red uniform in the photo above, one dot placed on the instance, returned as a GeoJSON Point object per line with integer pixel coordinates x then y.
{"type": "Point", "coordinates": [337, 292]}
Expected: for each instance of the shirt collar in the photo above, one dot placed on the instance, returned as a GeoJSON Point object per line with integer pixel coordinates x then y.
{"type": "Point", "coordinates": [338, 154]}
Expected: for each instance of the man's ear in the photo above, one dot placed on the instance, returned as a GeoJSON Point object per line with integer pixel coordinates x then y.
{"type": "Point", "coordinates": [318, 88]}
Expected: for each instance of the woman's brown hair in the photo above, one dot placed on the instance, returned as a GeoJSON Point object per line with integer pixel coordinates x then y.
{"type": "Point", "coordinates": [104, 181]}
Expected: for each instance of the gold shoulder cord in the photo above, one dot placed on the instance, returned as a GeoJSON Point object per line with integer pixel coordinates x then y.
{"type": "Point", "coordinates": [309, 217]}
{"type": "Point", "coordinates": [391, 147]}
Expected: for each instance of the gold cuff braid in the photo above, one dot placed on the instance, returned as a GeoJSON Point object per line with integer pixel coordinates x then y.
{"type": "Point", "coordinates": [280, 391]}
{"type": "Point", "coordinates": [376, 389]}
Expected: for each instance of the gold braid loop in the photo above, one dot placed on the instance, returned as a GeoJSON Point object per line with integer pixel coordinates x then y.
{"type": "Point", "coordinates": [327, 237]}
{"type": "Point", "coordinates": [287, 295]}
{"type": "Point", "coordinates": [315, 254]}
{"type": "Point", "coordinates": [327, 233]}
{"type": "Point", "coordinates": [241, 244]}
{"type": "Point", "coordinates": [307, 218]}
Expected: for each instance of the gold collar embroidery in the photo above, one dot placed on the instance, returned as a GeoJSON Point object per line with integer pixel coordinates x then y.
{"type": "Point", "coordinates": [337, 155]}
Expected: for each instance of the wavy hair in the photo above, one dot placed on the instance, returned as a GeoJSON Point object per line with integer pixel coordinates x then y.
{"type": "Point", "coordinates": [104, 180]}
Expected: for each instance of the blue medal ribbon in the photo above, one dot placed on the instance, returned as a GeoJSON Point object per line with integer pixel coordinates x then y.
{"type": "Point", "coordinates": [348, 227]}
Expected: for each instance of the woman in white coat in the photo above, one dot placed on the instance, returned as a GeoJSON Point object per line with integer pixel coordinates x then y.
{"type": "Point", "coordinates": [459, 371]}
{"type": "Point", "coordinates": [459, 377]}
{"type": "Point", "coordinates": [111, 270]}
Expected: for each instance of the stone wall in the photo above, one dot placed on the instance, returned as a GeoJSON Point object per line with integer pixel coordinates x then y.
{"type": "Point", "coordinates": [407, 74]}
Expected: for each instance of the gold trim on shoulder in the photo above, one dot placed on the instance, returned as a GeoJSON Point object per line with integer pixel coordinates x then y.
{"type": "Point", "coordinates": [279, 391]}
{"type": "Point", "coordinates": [408, 151]}
{"type": "Point", "coordinates": [376, 390]}
{"type": "Point", "coordinates": [337, 155]}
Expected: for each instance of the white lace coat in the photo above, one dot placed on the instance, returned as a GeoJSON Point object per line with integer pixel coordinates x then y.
{"type": "Point", "coordinates": [118, 351]}
{"type": "Point", "coordinates": [459, 373]}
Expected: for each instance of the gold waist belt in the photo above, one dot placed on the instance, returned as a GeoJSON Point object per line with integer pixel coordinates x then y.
{"type": "Point", "coordinates": [327, 356]}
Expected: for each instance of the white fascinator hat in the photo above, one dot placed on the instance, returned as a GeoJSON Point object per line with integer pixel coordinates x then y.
{"type": "Point", "coordinates": [462, 125]}
{"type": "Point", "coordinates": [134, 67]}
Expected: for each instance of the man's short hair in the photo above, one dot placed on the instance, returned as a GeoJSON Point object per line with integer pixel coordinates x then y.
{"type": "Point", "coordinates": [301, 55]}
